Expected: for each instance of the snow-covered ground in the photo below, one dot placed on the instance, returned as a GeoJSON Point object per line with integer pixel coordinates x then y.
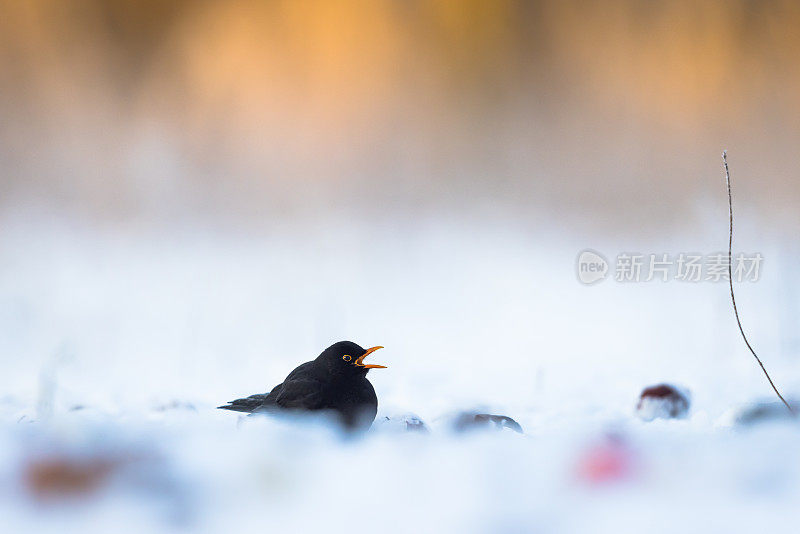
{"type": "Point", "coordinates": [116, 345]}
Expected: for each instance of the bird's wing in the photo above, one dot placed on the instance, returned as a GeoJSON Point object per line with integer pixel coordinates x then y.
{"type": "Point", "coordinates": [262, 402]}
{"type": "Point", "coordinates": [304, 370]}
{"type": "Point", "coordinates": [302, 393]}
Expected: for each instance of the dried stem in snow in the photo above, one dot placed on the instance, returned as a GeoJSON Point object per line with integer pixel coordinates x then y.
{"type": "Point", "coordinates": [730, 280]}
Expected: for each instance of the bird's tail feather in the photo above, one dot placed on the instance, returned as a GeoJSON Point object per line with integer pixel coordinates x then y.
{"type": "Point", "coordinates": [247, 404]}
{"type": "Point", "coordinates": [236, 408]}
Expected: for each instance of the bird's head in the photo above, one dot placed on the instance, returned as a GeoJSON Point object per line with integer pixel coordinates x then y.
{"type": "Point", "coordinates": [346, 357]}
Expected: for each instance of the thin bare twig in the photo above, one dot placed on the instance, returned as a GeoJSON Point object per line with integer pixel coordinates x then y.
{"type": "Point", "coordinates": [730, 280]}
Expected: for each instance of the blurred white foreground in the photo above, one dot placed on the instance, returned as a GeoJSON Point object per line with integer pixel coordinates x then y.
{"type": "Point", "coordinates": [115, 348]}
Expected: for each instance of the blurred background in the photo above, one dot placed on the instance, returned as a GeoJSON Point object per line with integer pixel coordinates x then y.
{"type": "Point", "coordinates": [196, 195]}
{"type": "Point", "coordinates": [151, 113]}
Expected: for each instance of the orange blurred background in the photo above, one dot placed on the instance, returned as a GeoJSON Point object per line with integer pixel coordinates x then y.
{"type": "Point", "coordinates": [547, 112]}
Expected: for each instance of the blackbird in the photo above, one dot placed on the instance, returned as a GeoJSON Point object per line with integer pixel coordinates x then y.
{"type": "Point", "coordinates": [336, 382]}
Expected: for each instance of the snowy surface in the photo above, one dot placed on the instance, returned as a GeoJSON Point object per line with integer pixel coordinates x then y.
{"type": "Point", "coordinates": [115, 348]}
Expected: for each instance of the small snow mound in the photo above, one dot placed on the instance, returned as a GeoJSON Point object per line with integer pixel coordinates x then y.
{"type": "Point", "coordinates": [469, 421]}
{"type": "Point", "coordinates": [663, 401]}
{"type": "Point", "coordinates": [767, 412]}
{"type": "Point", "coordinates": [408, 422]}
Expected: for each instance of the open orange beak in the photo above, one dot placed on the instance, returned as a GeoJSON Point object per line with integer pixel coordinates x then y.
{"type": "Point", "coordinates": [360, 360]}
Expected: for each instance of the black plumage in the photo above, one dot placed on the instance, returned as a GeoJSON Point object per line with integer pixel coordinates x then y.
{"type": "Point", "coordinates": [335, 382]}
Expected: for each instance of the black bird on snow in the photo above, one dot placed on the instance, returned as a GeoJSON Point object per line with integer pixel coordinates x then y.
{"type": "Point", "coordinates": [336, 381]}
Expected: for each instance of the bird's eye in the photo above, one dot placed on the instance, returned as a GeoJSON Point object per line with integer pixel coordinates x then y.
{"type": "Point", "coordinates": [346, 357]}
